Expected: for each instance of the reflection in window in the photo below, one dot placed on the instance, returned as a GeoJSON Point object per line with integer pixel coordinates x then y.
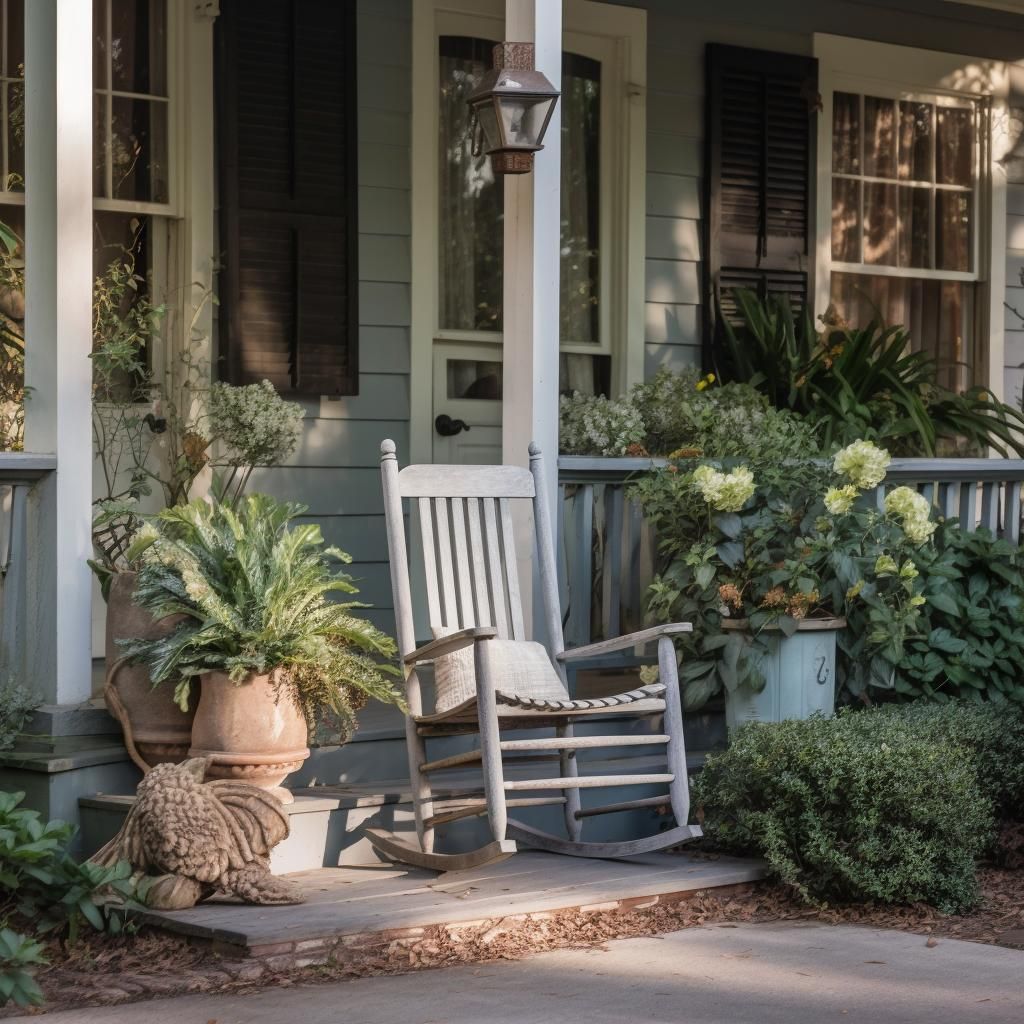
{"type": "Point", "coordinates": [470, 235]}
{"type": "Point", "coordinates": [904, 187]}
{"type": "Point", "coordinates": [938, 314]}
{"type": "Point", "coordinates": [130, 157]}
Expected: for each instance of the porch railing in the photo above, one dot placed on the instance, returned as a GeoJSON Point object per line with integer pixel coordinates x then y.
{"type": "Point", "coordinates": [20, 473]}
{"type": "Point", "coordinates": [609, 551]}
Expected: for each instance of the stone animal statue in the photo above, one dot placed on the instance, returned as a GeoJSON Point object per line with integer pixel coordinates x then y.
{"type": "Point", "coordinates": [188, 839]}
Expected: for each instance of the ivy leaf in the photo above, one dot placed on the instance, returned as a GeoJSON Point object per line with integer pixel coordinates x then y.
{"type": "Point", "coordinates": [731, 553]}
{"type": "Point", "coordinates": [787, 624]}
{"type": "Point", "coordinates": [942, 600]}
{"type": "Point", "coordinates": [704, 575]}
{"type": "Point", "coordinates": [730, 524]}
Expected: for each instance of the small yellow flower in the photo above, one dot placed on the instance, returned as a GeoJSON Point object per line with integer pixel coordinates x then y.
{"type": "Point", "coordinates": [855, 590]}
{"type": "Point", "coordinates": [917, 600]}
{"type": "Point", "coordinates": [886, 566]}
{"type": "Point", "coordinates": [701, 385]}
{"type": "Point", "coordinates": [710, 378]}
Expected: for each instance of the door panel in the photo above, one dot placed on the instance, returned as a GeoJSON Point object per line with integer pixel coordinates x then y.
{"type": "Point", "coordinates": [467, 390]}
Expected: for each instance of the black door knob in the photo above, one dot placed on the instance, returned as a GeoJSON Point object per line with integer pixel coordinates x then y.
{"type": "Point", "coordinates": [447, 427]}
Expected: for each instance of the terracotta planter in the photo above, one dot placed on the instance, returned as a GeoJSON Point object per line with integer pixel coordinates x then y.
{"type": "Point", "coordinates": [799, 673]}
{"type": "Point", "coordinates": [250, 732]}
{"type": "Point", "coordinates": [156, 730]}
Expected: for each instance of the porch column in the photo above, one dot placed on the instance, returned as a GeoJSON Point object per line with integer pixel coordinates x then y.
{"type": "Point", "coordinates": [58, 338]}
{"type": "Point", "coordinates": [531, 288]}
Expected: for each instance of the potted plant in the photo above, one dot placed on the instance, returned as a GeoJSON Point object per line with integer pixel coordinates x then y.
{"type": "Point", "coordinates": [274, 654]}
{"type": "Point", "coordinates": [766, 559]}
{"type": "Point", "coordinates": [155, 435]}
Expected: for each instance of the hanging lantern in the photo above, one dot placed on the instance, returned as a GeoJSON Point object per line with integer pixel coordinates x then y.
{"type": "Point", "coordinates": [512, 105]}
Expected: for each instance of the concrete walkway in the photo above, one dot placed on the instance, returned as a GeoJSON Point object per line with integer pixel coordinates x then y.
{"type": "Point", "coordinates": [748, 974]}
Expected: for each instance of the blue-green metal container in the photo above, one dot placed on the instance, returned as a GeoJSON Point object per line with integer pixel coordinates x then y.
{"type": "Point", "coordinates": [799, 673]}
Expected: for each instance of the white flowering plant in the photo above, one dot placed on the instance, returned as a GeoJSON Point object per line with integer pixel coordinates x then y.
{"type": "Point", "coordinates": [771, 542]}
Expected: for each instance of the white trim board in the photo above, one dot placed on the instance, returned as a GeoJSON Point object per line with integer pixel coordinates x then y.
{"type": "Point", "coordinates": [860, 65]}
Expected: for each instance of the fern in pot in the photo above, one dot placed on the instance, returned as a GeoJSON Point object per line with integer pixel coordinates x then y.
{"type": "Point", "coordinates": [275, 654]}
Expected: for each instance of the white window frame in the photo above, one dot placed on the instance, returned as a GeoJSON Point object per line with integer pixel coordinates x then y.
{"type": "Point", "coordinates": [900, 72]}
{"type": "Point", "coordinates": [616, 36]}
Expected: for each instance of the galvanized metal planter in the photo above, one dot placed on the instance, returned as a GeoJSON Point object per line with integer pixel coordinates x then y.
{"type": "Point", "coordinates": [799, 672]}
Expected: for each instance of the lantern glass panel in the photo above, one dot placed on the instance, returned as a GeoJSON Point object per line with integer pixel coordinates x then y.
{"type": "Point", "coordinates": [489, 122]}
{"type": "Point", "coordinates": [523, 119]}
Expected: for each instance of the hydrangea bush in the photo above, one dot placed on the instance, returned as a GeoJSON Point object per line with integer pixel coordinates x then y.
{"type": "Point", "coordinates": [771, 543]}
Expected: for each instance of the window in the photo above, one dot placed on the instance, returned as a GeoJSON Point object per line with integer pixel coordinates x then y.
{"type": "Point", "coordinates": [470, 238]}
{"type": "Point", "coordinates": [130, 118]}
{"type": "Point", "coordinates": [905, 184]}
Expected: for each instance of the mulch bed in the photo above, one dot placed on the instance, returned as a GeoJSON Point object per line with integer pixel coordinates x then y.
{"type": "Point", "coordinates": [105, 971]}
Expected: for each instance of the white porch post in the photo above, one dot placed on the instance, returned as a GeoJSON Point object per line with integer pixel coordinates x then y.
{"type": "Point", "coordinates": [58, 332]}
{"type": "Point", "coordinates": [531, 289]}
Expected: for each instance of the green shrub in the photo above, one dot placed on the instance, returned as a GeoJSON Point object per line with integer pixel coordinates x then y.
{"type": "Point", "coordinates": [16, 705]}
{"type": "Point", "coordinates": [854, 808]}
{"type": "Point", "coordinates": [18, 955]}
{"type": "Point", "coordinates": [969, 643]}
{"type": "Point", "coordinates": [861, 382]}
{"type": "Point", "coordinates": [992, 733]}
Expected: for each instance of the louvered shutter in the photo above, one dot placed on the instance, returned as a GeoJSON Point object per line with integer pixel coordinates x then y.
{"type": "Point", "coordinates": [760, 139]}
{"type": "Point", "coordinates": [286, 157]}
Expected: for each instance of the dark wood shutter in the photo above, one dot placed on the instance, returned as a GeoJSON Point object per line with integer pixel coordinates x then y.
{"type": "Point", "coordinates": [760, 143]}
{"type": "Point", "coordinates": [287, 178]}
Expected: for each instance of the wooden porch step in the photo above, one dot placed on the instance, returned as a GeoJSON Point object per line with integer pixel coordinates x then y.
{"type": "Point", "coordinates": [548, 743]}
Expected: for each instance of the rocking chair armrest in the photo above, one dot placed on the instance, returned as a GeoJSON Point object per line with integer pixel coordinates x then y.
{"type": "Point", "coordinates": [620, 643]}
{"type": "Point", "coordinates": [450, 644]}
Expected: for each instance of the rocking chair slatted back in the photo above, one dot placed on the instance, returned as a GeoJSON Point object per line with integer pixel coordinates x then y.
{"type": "Point", "coordinates": [468, 544]}
{"type": "Point", "coordinates": [469, 563]}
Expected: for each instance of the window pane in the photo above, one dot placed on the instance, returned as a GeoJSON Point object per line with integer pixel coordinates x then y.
{"type": "Point", "coordinates": [879, 137]}
{"type": "Point", "coordinates": [937, 314]}
{"type": "Point", "coordinates": [138, 46]}
{"type": "Point", "coordinates": [880, 223]}
{"type": "Point", "coordinates": [470, 235]}
{"type": "Point", "coordinates": [845, 133]}
{"type": "Point", "coordinates": [954, 149]}
{"type": "Point", "coordinates": [139, 150]}
{"type": "Point", "coordinates": [915, 227]}
{"type": "Point", "coordinates": [12, 317]}
{"type": "Point", "coordinates": [846, 229]}
{"type": "Point", "coordinates": [99, 145]}
{"type": "Point", "coordinates": [15, 42]}
{"type": "Point", "coordinates": [15, 137]}
{"type": "Point", "coordinates": [99, 44]}
{"type": "Point", "coordinates": [953, 230]}
{"type": "Point", "coordinates": [471, 378]}
{"type": "Point", "coordinates": [915, 151]}
{"type": "Point", "coordinates": [581, 193]}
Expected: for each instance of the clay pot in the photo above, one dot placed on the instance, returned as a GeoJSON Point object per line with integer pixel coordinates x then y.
{"type": "Point", "coordinates": [251, 732]}
{"type": "Point", "coordinates": [156, 730]}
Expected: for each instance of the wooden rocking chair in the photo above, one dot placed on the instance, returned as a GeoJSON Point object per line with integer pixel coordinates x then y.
{"type": "Point", "coordinates": [490, 680]}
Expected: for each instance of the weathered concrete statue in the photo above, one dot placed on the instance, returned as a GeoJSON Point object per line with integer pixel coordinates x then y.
{"type": "Point", "coordinates": [189, 839]}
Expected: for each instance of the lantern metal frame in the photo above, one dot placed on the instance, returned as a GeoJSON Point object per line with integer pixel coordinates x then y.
{"type": "Point", "coordinates": [513, 77]}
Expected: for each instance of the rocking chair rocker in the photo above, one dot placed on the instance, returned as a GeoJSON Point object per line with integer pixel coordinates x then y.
{"type": "Point", "coordinates": [490, 680]}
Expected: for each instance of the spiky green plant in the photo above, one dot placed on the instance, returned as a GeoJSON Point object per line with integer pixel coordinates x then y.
{"type": "Point", "coordinates": [256, 592]}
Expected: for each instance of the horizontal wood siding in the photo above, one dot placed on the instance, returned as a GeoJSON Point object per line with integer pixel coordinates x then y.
{"type": "Point", "coordinates": [335, 469]}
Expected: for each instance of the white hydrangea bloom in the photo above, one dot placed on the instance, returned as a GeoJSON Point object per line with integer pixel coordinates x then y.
{"type": "Point", "coordinates": [254, 423]}
{"type": "Point", "coordinates": [725, 492]}
{"type": "Point", "coordinates": [863, 464]}
{"type": "Point", "coordinates": [839, 500]}
{"type": "Point", "coordinates": [913, 510]}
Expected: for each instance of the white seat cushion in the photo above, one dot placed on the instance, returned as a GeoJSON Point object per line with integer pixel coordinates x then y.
{"type": "Point", "coordinates": [518, 667]}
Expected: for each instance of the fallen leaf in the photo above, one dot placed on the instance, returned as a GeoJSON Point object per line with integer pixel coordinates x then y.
{"type": "Point", "coordinates": [932, 943]}
{"type": "Point", "coordinates": [875, 961]}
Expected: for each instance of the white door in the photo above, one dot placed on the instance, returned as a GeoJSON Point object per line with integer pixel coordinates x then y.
{"type": "Point", "coordinates": [466, 417]}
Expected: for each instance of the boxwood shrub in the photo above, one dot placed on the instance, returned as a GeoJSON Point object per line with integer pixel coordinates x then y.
{"type": "Point", "coordinates": [884, 805]}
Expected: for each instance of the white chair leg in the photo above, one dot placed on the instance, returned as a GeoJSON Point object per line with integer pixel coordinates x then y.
{"type": "Point", "coordinates": [490, 745]}
{"type": "Point", "coordinates": [569, 768]}
{"type": "Point", "coordinates": [679, 788]}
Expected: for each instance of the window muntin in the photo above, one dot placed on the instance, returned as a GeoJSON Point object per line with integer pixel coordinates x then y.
{"type": "Point", "coordinates": [471, 201]}
{"type": "Point", "coordinates": [130, 113]}
{"type": "Point", "coordinates": [905, 183]}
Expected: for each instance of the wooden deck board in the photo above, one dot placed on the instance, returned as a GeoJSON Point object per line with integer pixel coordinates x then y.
{"type": "Point", "coordinates": [361, 901]}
